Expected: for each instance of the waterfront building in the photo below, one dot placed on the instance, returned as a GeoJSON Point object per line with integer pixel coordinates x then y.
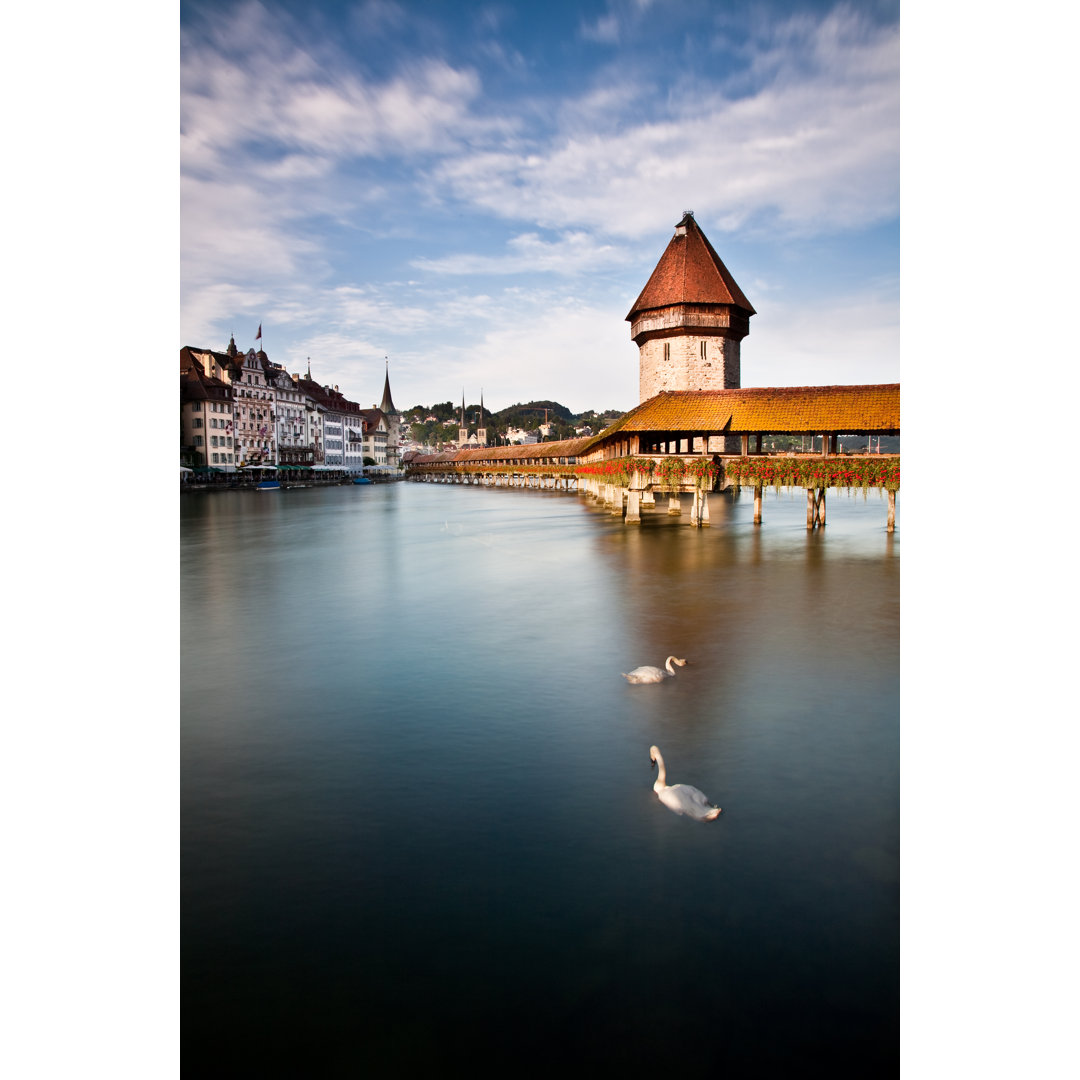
{"type": "Point", "coordinates": [377, 438]}
{"type": "Point", "coordinates": [312, 417]}
{"type": "Point", "coordinates": [289, 410]}
{"type": "Point", "coordinates": [690, 319]}
{"type": "Point", "coordinates": [353, 426]}
{"type": "Point", "coordinates": [333, 427]}
{"type": "Point", "coordinates": [254, 399]}
{"type": "Point", "coordinates": [206, 410]}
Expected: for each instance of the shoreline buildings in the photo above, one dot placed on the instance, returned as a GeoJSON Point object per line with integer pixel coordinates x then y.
{"type": "Point", "coordinates": [241, 409]}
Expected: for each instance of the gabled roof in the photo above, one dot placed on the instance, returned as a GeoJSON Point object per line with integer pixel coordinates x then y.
{"type": "Point", "coordinates": [373, 417]}
{"type": "Point", "coordinates": [689, 272]}
{"type": "Point", "coordinates": [196, 385]}
{"type": "Point", "coordinates": [190, 352]}
{"type": "Point", "coordinates": [777, 410]}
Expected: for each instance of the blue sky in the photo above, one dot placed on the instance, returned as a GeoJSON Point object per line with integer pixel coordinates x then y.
{"type": "Point", "coordinates": [479, 191]}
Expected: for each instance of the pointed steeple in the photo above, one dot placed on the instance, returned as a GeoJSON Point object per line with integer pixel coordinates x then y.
{"type": "Point", "coordinates": [232, 350]}
{"type": "Point", "coordinates": [481, 430]}
{"type": "Point", "coordinates": [387, 403]}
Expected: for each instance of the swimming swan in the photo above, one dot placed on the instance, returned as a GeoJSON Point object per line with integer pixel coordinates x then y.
{"type": "Point", "coordinates": [653, 674]}
{"type": "Point", "coordinates": [682, 798]}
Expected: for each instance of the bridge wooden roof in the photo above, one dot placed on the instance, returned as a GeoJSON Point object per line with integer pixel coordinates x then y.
{"type": "Point", "coordinates": [520, 452]}
{"type": "Point", "coordinates": [559, 448]}
{"type": "Point", "coordinates": [777, 410]}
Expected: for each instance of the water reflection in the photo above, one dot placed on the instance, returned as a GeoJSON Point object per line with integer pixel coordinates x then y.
{"type": "Point", "coordinates": [418, 812]}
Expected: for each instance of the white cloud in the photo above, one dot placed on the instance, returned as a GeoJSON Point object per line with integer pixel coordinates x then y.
{"type": "Point", "coordinates": [605, 30]}
{"type": "Point", "coordinates": [573, 253]}
{"type": "Point", "coordinates": [849, 339]}
{"type": "Point", "coordinates": [815, 148]}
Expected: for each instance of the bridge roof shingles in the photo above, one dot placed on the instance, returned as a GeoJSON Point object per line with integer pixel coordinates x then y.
{"type": "Point", "coordinates": [798, 409]}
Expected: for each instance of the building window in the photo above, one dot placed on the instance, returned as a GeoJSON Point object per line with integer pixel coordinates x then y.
{"type": "Point", "coordinates": [197, 422]}
{"type": "Point", "coordinates": [703, 350]}
{"type": "Point", "coordinates": [215, 457]}
{"type": "Point", "coordinates": [667, 350]}
{"type": "Point", "coordinates": [196, 406]}
{"type": "Point", "coordinates": [198, 440]}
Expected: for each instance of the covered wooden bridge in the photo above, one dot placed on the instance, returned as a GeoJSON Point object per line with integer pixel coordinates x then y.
{"type": "Point", "coordinates": [700, 442]}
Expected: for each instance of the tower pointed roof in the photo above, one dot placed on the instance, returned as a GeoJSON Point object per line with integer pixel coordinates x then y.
{"type": "Point", "coordinates": [689, 272]}
{"type": "Point", "coordinates": [387, 403]}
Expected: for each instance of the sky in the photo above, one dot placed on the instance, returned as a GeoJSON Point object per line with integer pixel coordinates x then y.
{"type": "Point", "coordinates": [475, 193]}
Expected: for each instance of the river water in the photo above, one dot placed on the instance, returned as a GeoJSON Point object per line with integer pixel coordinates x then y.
{"type": "Point", "coordinates": [418, 825]}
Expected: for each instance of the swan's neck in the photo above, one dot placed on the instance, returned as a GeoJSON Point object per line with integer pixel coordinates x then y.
{"type": "Point", "coordinates": [670, 669]}
{"type": "Point", "coordinates": [661, 774]}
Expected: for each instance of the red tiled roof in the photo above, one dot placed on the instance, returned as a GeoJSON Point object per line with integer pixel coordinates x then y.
{"type": "Point", "coordinates": [776, 410]}
{"type": "Point", "coordinates": [689, 272]}
{"type": "Point", "coordinates": [525, 451]}
{"type": "Point", "coordinates": [196, 385]}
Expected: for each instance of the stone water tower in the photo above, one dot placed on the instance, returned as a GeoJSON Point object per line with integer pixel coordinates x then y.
{"type": "Point", "coordinates": [689, 319]}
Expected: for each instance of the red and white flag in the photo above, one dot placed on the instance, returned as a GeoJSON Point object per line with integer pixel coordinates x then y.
{"type": "Point", "coordinates": [259, 334]}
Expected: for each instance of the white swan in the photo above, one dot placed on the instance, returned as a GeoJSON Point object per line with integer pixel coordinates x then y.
{"type": "Point", "coordinates": [682, 798]}
{"type": "Point", "coordinates": [648, 674]}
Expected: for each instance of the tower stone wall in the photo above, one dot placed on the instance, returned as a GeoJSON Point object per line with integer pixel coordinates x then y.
{"type": "Point", "coordinates": [688, 360]}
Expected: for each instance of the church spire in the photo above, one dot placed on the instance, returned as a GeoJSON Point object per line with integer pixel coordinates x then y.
{"type": "Point", "coordinates": [387, 403]}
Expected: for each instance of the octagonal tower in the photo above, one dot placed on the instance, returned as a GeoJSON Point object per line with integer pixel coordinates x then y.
{"type": "Point", "coordinates": [689, 319]}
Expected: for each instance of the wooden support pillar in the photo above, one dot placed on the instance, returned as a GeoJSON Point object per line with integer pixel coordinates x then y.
{"type": "Point", "coordinates": [745, 440]}
{"type": "Point", "coordinates": [810, 508]}
{"type": "Point", "coordinates": [824, 445]}
{"type": "Point", "coordinates": [674, 507]}
{"type": "Point", "coordinates": [819, 511]}
{"type": "Point", "coordinates": [703, 517]}
{"type": "Point", "coordinates": [695, 507]}
{"type": "Point", "coordinates": [892, 512]}
{"type": "Point", "coordinates": [757, 504]}
{"type": "Point", "coordinates": [648, 499]}
{"type": "Point", "coordinates": [633, 507]}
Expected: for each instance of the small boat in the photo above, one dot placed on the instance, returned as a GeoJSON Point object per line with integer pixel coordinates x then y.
{"type": "Point", "coordinates": [362, 480]}
{"type": "Point", "coordinates": [269, 485]}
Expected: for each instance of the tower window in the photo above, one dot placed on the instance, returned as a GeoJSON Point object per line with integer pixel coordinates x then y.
{"type": "Point", "coordinates": [667, 350]}
{"type": "Point", "coordinates": [703, 350]}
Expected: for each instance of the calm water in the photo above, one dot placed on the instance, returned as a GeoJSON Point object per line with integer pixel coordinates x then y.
{"type": "Point", "coordinates": [418, 825]}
